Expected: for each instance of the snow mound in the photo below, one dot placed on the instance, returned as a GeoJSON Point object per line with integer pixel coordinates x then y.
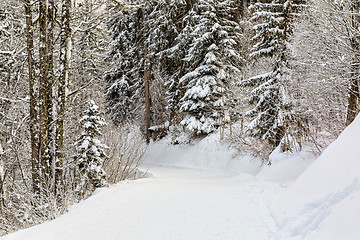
{"type": "Point", "coordinates": [286, 167]}
{"type": "Point", "coordinates": [324, 202]}
{"type": "Point", "coordinates": [207, 154]}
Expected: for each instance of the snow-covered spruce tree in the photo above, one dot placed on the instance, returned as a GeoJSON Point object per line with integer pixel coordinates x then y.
{"type": "Point", "coordinates": [90, 150]}
{"type": "Point", "coordinates": [125, 78]}
{"type": "Point", "coordinates": [153, 26]}
{"type": "Point", "coordinates": [175, 55]}
{"type": "Point", "coordinates": [165, 23]}
{"type": "Point", "coordinates": [272, 112]}
{"type": "Point", "coordinates": [213, 61]}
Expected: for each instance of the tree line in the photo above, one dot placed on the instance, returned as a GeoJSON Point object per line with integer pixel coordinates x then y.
{"type": "Point", "coordinates": [210, 56]}
{"type": "Point", "coordinates": [261, 73]}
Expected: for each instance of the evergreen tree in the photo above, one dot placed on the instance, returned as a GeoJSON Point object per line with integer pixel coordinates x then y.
{"type": "Point", "coordinates": [153, 26]}
{"type": "Point", "coordinates": [125, 78]}
{"type": "Point", "coordinates": [183, 39]}
{"type": "Point", "coordinates": [165, 23]}
{"type": "Point", "coordinates": [213, 61]}
{"type": "Point", "coordinates": [90, 150]}
{"type": "Point", "coordinates": [271, 114]}
{"type": "Point", "coordinates": [175, 55]}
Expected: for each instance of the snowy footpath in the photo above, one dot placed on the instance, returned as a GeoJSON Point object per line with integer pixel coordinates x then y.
{"type": "Point", "coordinates": [176, 203]}
{"type": "Point", "coordinates": [207, 192]}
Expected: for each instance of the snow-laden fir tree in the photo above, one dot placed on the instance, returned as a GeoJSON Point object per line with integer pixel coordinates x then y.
{"type": "Point", "coordinates": [125, 78]}
{"type": "Point", "coordinates": [90, 150]}
{"type": "Point", "coordinates": [213, 62]}
{"type": "Point", "coordinates": [153, 26]}
{"type": "Point", "coordinates": [170, 36]}
{"type": "Point", "coordinates": [176, 54]}
{"type": "Point", "coordinates": [272, 112]}
{"type": "Point", "coordinates": [162, 25]}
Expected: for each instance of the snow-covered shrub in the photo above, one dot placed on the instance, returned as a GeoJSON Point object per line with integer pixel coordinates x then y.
{"type": "Point", "coordinates": [126, 149]}
{"type": "Point", "coordinates": [239, 140]}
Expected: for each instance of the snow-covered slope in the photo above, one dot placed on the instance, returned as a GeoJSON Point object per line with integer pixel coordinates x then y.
{"type": "Point", "coordinates": [324, 203]}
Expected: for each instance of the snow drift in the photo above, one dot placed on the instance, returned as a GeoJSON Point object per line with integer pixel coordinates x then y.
{"type": "Point", "coordinates": [209, 154]}
{"type": "Point", "coordinates": [324, 202]}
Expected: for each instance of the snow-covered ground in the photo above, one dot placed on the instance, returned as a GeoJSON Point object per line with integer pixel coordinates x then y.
{"type": "Point", "coordinates": [324, 202]}
{"type": "Point", "coordinates": [207, 192]}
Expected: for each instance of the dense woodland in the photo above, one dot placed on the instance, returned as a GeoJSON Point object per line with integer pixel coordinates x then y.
{"type": "Point", "coordinates": [85, 84]}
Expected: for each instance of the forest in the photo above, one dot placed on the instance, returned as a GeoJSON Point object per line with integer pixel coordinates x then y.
{"type": "Point", "coordinates": [86, 85]}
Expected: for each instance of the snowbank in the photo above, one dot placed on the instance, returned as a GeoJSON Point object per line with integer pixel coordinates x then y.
{"type": "Point", "coordinates": [207, 154]}
{"type": "Point", "coordinates": [324, 203]}
{"type": "Point", "coordinates": [286, 167]}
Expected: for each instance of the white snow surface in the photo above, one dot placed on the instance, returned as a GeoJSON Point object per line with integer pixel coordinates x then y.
{"type": "Point", "coordinates": [206, 191]}
{"type": "Point", "coordinates": [324, 202]}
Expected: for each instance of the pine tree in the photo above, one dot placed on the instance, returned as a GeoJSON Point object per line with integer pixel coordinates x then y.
{"type": "Point", "coordinates": [271, 115]}
{"type": "Point", "coordinates": [90, 150]}
{"type": "Point", "coordinates": [213, 60]}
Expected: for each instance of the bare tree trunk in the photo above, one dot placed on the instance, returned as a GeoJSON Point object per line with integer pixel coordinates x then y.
{"type": "Point", "coordinates": [65, 45]}
{"type": "Point", "coordinates": [43, 96]}
{"type": "Point", "coordinates": [35, 171]}
{"type": "Point", "coordinates": [147, 100]}
{"type": "Point", "coordinates": [51, 82]}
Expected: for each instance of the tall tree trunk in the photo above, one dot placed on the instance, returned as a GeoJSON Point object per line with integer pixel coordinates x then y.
{"type": "Point", "coordinates": [35, 166]}
{"type": "Point", "coordinates": [65, 48]}
{"type": "Point", "coordinates": [51, 82]}
{"type": "Point", "coordinates": [43, 94]}
{"type": "Point", "coordinates": [147, 100]}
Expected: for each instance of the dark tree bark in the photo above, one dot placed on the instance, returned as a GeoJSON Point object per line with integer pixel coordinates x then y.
{"type": "Point", "coordinates": [35, 165]}
{"type": "Point", "coordinates": [147, 100]}
{"type": "Point", "coordinates": [43, 94]}
{"type": "Point", "coordinates": [50, 85]}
